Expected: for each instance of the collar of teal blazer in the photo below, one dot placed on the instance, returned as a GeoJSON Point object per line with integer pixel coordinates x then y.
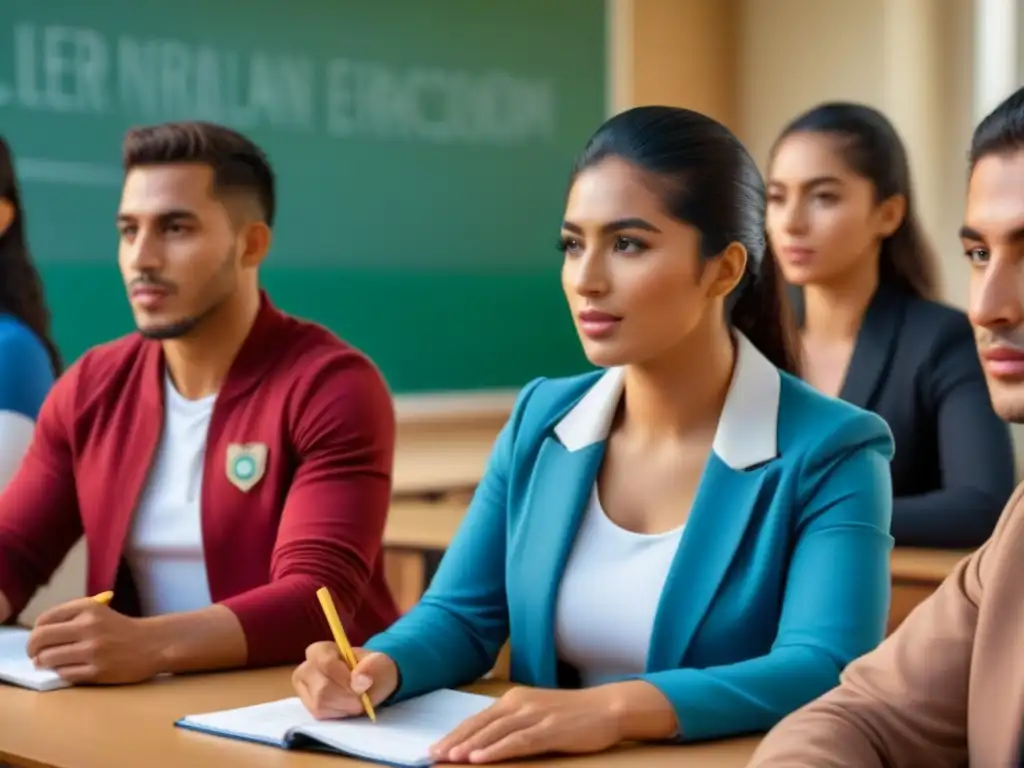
{"type": "Point", "coordinates": [564, 473]}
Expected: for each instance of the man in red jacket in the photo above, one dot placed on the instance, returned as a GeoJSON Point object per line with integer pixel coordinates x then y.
{"type": "Point", "coordinates": [223, 463]}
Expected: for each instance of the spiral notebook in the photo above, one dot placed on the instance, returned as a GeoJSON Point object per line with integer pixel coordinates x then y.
{"type": "Point", "coordinates": [402, 735]}
{"type": "Point", "coordinates": [17, 668]}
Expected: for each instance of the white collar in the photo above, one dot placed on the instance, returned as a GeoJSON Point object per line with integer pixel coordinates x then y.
{"type": "Point", "coordinates": [747, 432]}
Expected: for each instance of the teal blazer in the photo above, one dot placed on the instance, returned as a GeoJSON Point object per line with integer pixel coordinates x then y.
{"type": "Point", "coordinates": [781, 577]}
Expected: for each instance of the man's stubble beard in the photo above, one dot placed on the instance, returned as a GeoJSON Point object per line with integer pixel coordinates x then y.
{"type": "Point", "coordinates": [175, 330]}
{"type": "Point", "coordinates": [183, 328]}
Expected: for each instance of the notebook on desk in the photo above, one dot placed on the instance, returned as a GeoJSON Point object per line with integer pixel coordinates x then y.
{"type": "Point", "coordinates": [402, 735]}
{"type": "Point", "coordinates": [17, 668]}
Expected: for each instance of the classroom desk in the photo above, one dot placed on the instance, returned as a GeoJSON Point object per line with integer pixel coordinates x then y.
{"type": "Point", "coordinates": [925, 566]}
{"type": "Point", "coordinates": [432, 459]}
{"type": "Point", "coordinates": [916, 574]}
{"type": "Point", "coordinates": [133, 726]}
{"type": "Point", "coordinates": [415, 538]}
{"type": "Point", "coordinates": [419, 525]}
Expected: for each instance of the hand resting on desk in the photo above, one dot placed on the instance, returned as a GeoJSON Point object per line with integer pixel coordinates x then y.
{"type": "Point", "coordinates": [523, 722]}
{"type": "Point", "coordinates": [86, 642]}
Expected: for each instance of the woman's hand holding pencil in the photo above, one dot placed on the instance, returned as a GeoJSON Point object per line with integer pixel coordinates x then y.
{"type": "Point", "coordinates": [331, 686]}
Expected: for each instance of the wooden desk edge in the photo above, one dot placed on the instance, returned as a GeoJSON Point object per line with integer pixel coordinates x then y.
{"type": "Point", "coordinates": [925, 566]}
{"type": "Point", "coordinates": [145, 716]}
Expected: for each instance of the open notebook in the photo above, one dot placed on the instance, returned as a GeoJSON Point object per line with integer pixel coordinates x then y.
{"type": "Point", "coordinates": [17, 668]}
{"type": "Point", "coordinates": [401, 736]}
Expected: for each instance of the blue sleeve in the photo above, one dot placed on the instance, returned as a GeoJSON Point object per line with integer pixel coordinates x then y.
{"type": "Point", "coordinates": [453, 636]}
{"type": "Point", "coordinates": [26, 374]}
{"type": "Point", "coordinates": [836, 601]}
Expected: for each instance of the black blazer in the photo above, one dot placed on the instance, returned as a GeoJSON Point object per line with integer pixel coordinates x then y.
{"type": "Point", "coordinates": [915, 364]}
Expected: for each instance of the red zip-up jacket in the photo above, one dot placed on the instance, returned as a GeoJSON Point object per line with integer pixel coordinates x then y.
{"type": "Point", "coordinates": [317, 409]}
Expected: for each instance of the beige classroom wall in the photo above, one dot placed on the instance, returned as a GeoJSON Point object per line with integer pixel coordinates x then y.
{"type": "Point", "coordinates": [674, 52]}
{"type": "Point", "coordinates": [67, 583]}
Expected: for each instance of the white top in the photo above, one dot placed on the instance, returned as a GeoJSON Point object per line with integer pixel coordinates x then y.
{"type": "Point", "coordinates": [609, 596]}
{"type": "Point", "coordinates": [165, 545]}
{"type": "Point", "coordinates": [15, 437]}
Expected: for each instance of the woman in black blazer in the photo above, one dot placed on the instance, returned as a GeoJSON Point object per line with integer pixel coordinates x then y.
{"type": "Point", "coordinates": [842, 223]}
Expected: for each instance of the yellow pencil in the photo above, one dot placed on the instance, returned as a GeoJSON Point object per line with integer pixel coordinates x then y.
{"type": "Point", "coordinates": [104, 598]}
{"type": "Point", "coordinates": [342, 640]}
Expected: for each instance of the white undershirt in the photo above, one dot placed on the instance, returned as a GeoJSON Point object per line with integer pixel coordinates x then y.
{"type": "Point", "coordinates": [609, 596]}
{"type": "Point", "coordinates": [15, 437]}
{"type": "Point", "coordinates": [165, 546]}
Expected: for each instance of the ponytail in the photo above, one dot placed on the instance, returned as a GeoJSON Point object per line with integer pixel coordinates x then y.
{"type": "Point", "coordinates": [763, 314]}
{"type": "Point", "coordinates": [908, 261]}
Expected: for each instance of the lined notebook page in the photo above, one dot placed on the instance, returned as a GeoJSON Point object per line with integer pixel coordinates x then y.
{"type": "Point", "coordinates": [268, 723]}
{"type": "Point", "coordinates": [402, 734]}
{"type": "Point", "coordinates": [16, 667]}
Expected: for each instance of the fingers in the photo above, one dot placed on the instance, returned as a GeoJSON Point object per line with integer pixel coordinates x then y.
{"type": "Point", "coordinates": [321, 697]}
{"type": "Point", "coordinates": [73, 661]}
{"type": "Point", "coordinates": [313, 703]}
{"type": "Point", "coordinates": [326, 659]}
{"type": "Point", "coordinates": [442, 750]}
{"type": "Point", "coordinates": [518, 743]}
{"type": "Point", "coordinates": [488, 737]}
{"type": "Point", "coordinates": [323, 684]}
{"type": "Point", "coordinates": [67, 655]}
{"type": "Point", "coordinates": [51, 635]}
{"type": "Point", "coordinates": [330, 689]}
{"type": "Point", "coordinates": [67, 611]}
{"type": "Point", "coordinates": [365, 673]}
{"type": "Point", "coordinates": [79, 674]}
{"type": "Point", "coordinates": [302, 690]}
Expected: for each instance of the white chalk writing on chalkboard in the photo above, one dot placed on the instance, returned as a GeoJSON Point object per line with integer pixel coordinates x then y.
{"type": "Point", "coordinates": [70, 70]}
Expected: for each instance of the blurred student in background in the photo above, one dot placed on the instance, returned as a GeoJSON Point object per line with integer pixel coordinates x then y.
{"type": "Point", "coordinates": [841, 219]}
{"type": "Point", "coordinates": [29, 360]}
{"type": "Point", "coordinates": [652, 538]}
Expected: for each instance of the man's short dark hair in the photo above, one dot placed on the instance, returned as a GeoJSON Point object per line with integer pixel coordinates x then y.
{"type": "Point", "coordinates": [1002, 131]}
{"type": "Point", "coordinates": [238, 164]}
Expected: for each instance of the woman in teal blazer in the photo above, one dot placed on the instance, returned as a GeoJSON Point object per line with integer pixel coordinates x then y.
{"type": "Point", "coordinates": [689, 544]}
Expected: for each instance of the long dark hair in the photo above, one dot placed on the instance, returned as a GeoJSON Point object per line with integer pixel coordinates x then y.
{"type": "Point", "coordinates": [21, 289]}
{"type": "Point", "coordinates": [712, 183]}
{"type": "Point", "coordinates": [872, 149]}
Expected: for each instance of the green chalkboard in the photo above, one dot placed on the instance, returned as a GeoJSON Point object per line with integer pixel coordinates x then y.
{"type": "Point", "coordinates": [422, 149]}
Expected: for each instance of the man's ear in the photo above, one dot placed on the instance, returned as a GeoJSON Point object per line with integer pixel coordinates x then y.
{"type": "Point", "coordinates": [7, 214]}
{"type": "Point", "coordinates": [727, 269]}
{"type": "Point", "coordinates": [256, 239]}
